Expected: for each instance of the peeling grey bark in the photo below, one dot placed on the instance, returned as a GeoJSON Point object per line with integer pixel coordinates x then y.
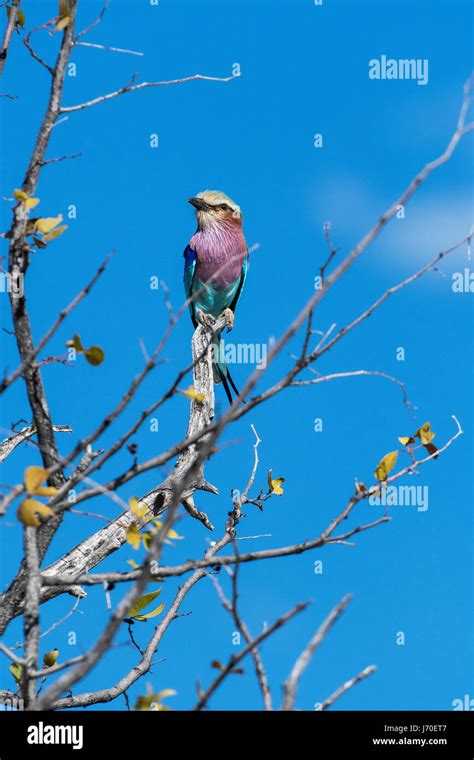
{"type": "Point", "coordinates": [94, 549]}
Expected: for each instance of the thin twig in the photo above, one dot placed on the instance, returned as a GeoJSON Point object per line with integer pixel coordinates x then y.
{"type": "Point", "coordinates": [108, 48]}
{"type": "Point", "coordinates": [135, 87]}
{"type": "Point", "coordinates": [9, 29]}
{"type": "Point", "coordinates": [291, 685]}
{"type": "Point", "coordinates": [235, 659]}
{"type": "Point", "coordinates": [346, 686]}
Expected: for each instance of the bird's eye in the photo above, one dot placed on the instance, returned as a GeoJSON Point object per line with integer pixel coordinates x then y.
{"type": "Point", "coordinates": [224, 207]}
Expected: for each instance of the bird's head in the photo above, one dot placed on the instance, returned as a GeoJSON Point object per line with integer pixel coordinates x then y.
{"type": "Point", "coordinates": [214, 207]}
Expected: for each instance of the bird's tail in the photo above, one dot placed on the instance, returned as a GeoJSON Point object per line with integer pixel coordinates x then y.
{"type": "Point", "coordinates": [221, 370]}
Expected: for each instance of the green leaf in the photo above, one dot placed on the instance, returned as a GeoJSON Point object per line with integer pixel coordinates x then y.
{"type": "Point", "coordinates": [143, 602]}
{"type": "Point", "coordinates": [153, 614]}
{"type": "Point", "coordinates": [16, 670]}
{"type": "Point", "coordinates": [94, 355]}
{"type": "Point", "coordinates": [51, 658]}
{"type": "Point", "coordinates": [76, 344]}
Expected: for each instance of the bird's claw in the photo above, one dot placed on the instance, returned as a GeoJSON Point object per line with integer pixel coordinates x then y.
{"type": "Point", "coordinates": [229, 317]}
{"type": "Point", "coordinates": [207, 320]}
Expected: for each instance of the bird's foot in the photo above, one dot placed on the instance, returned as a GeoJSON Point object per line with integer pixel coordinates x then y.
{"type": "Point", "coordinates": [229, 317]}
{"type": "Point", "coordinates": [207, 320]}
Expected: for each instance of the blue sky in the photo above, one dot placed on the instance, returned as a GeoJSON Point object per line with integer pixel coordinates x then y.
{"type": "Point", "coordinates": [304, 71]}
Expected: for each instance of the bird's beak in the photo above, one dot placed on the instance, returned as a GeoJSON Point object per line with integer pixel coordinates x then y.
{"type": "Point", "coordinates": [198, 203]}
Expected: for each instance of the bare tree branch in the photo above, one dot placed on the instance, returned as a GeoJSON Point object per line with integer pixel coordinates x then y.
{"type": "Point", "coordinates": [368, 671]}
{"type": "Point", "coordinates": [231, 607]}
{"type": "Point", "coordinates": [107, 695]}
{"type": "Point", "coordinates": [7, 381]}
{"type": "Point", "coordinates": [11, 655]}
{"type": "Point", "coordinates": [108, 48]}
{"type": "Point", "coordinates": [31, 626]}
{"type": "Point", "coordinates": [10, 444]}
{"type": "Point", "coordinates": [94, 23]}
{"type": "Point", "coordinates": [135, 87]}
{"type": "Point", "coordinates": [236, 658]}
{"type": "Point", "coordinates": [18, 265]}
{"type": "Point", "coordinates": [9, 29]}
{"type": "Point", "coordinates": [291, 685]}
{"type": "Point", "coordinates": [353, 373]}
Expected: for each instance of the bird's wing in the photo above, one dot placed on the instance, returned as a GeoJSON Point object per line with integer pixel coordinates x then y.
{"type": "Point", "coordinates": [240, 287]}
{"type": "Point", "coordinates": [190, 259]}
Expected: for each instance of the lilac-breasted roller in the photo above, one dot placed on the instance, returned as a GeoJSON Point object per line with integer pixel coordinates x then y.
{"type": "Point", "coordinates": [215, 266]}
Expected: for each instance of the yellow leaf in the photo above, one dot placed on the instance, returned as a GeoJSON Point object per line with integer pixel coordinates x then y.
{"type": "Point", "coordinates": [406, 440]}
{"type": "Point", "coordinates": [33, 513]}
{"type": "Point", "coordinates": [20, 18]}
{"type": "Point", "coordinates": [133, 536]}
{"type": "Point", "coordinates": [164, 693]}
{"type": "Point", "coordinates": [31, 202]}
{"type": "Point", "coordinates": [54, 233]}
{"type": "Point", "coordinates": [94, 355]}
{"type": "Point", "coordinates": [133, 564]}
{"type": "Point", "coordinates": [172, 534]}
{"type": "Point", "coordinates": [47, 224]}
{"type": "Point", "coordinates": [274, 484]}
{"type": "Point", "coordinates": [424, 433]}
{"type": "Point", "coordinates": [153, 614]}
{"type": "Point", "coordinates": [143, 602]}
{"type": "Point", "coordinates": [138, 508]}
{"type": "Point", "coordinates": [62, 22]}
{"type": "Point", "coordinates": [20, 195]}
{"type": "Point", "coordinates": [16, 670]}
{"type": "Point", "coordinates": [34, 476]}
{"type": "Point", "coordinates": [193, 394]}
{"type": "Point", "coordinates": [50, 658]}
{"type": "Point", "coordinates": [144, 702]}
{"type": "Point", "coordinates": [386, 465]}
{"type": "Point", "coordinates": [45, 491]}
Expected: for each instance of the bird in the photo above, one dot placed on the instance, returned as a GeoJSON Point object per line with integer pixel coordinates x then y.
{"type": "Point", "coordinates": [216, 262]}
